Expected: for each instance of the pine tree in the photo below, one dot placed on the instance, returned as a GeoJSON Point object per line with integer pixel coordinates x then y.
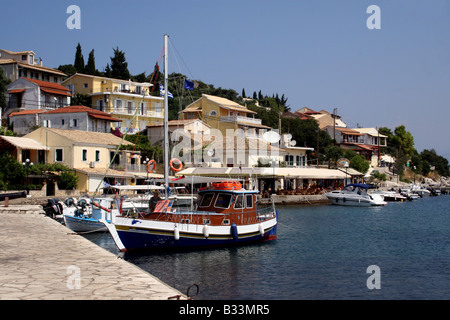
{"type": "Point", "coordinates": [90, 67]}
{"type": "Point", "coordinates": [243, 93]}
{"type": "Point", "coordinates": [79, 60]}
{"type": "Point", "coordinates": [107, 71]}
{"type": "Point", "coordinates": [119, 66]}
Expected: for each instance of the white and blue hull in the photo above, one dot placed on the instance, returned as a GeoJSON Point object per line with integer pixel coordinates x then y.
{"type": "Point", "coordinates": [84, 224]}
{"type": "Point", "coordinates": [135, 234]}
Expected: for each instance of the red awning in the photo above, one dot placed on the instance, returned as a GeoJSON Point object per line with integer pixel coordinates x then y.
{"type": "Point", "coordinates": [16, 91]}
{"type": "Point", "coordinates": [62, 93]}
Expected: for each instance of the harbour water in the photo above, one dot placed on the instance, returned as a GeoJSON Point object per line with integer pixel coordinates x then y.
{"type": "Point", "coordinates": [322, 252]}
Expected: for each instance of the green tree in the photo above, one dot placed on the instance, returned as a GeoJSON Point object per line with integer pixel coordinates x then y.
{"type": "Point", "coordinates": [90, 66]}
{"type": "Point", "coordinates": [431, 158]}
{"type": "Point", "coordinates": [332, 154]}
{"type": "Point", "coordinates": [68, 69]}
{"type": "Point", "coordinates": [403, 140]}
{"type": "Point", "coordinates": [67, 180]}
{"type": "Point", "coordinates": [3, 84]}
{"type": "Point", "coordinates": [79, 59]}
{"type": "Point", "coordinates": [119, 65]}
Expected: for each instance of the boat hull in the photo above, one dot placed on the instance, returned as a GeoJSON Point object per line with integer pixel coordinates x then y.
{"type": "Point", "coordinates": [83, 224]}
{"type": "Point", "coordinates": [354, 201]}
{"type": "Point", "coordinates": [150, 235]}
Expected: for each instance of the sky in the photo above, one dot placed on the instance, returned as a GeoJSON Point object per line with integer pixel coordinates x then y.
{"type": "Point", "coordinates": [320, 54]}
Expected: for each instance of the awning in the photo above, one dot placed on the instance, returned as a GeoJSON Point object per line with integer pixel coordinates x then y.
{"type": "Point", "coordinates": [7, 142]}
{"type": "Point", "coordinates": [103, 172]}
{"type": "Point", "coordinates": [104, 117]}
{"type": "Point", "coordinates": [16, 91]}
{"type": "Point", "coordinates": [61, 93]}
{"type": "Point", "coordinates": [289, 173]}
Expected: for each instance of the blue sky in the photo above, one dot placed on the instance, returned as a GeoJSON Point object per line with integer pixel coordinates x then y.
{"type": "Point", "coordinates": [320, 53]}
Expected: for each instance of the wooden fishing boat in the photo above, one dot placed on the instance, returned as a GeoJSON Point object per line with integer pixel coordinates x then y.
{"type": "Point", "coordinates": [226, 215]}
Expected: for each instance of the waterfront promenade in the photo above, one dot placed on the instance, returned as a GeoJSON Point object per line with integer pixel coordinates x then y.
{"type": "Point", "coordinates": [42, 260]}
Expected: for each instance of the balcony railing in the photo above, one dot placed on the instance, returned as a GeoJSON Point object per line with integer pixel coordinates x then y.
{"type": "Point", "coordinates": [241, 119]}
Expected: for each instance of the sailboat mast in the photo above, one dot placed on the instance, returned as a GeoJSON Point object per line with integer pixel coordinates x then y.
{"type": "Point", "coordinates": [166, 116]}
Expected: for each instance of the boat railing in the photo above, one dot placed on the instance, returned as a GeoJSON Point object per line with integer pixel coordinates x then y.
{"type": "Point", "coordinates": [266, 211]}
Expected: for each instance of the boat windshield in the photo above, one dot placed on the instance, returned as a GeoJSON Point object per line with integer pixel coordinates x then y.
{"type": "Point", "coordinates": [206, 199]}
{"type": "Point", "coordinates": [223, 200]}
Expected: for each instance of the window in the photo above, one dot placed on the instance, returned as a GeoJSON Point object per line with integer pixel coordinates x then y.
{"type": "Point", "coordinates": [101, 105]}
{"type": "Point", "coordinates": [85, 85]}
{"type": "Point", "coordinates": [84, 155]}
{"type": "Point", "coordinates": [59, 155]}
{"type": "Point", "coordinates": [239, 204]}
{"type": "Point", "coordinates": [74, 122]}
{"type": "Point", "coordinates": [116, 158]}
{"type": "Point", "coordinates": [158, 109]}
{"type": "Point", "coordinates": [118, 105]}
{"type": "Point", "coordinates": [130, 107]}
{"type": "Point", "coordinates": [249, 200]}
{"type": "Point", "coordinates": [223, 200]}
{"type": "Point", "coordinates": [97, 155]}
{"type": "Point", "coordinates": [62, 122]}
{"type": "Point", "coordinates": [213, 113]}
{"type": "Point", "coordinates": [24, 57]}
{"type": "Point", "coordinates": [142, 109]}
{"type": "Point", "coordinates": [289, 160]}
{"type": "Point", "coordinates": [206, 200]}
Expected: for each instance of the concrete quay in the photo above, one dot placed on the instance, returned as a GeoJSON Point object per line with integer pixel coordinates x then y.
{"type": "Point", "coordinates": [41, 260]}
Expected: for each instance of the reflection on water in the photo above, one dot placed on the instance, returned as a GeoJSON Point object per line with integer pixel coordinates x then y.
{"type": "Point", "coordinates": [322, 252]}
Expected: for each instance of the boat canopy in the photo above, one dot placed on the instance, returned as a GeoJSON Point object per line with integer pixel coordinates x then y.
{"type": "Point", "coordinates": [360, 185]}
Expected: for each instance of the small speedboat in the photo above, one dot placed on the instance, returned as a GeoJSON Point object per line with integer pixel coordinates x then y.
{"type": "Point", "coordinates": [390, 196]}
{"type": "Point", "coordinates": [355, 195]}
{"type": "Point", "coordinates": [85, 214]}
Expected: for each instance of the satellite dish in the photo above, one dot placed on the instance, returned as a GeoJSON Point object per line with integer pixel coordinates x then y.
{"type": "Point", "coordinates": [210, 152]}
{"type": "Point", "coordinates": [271, 136]}
{"type": "Point", "coordinates": [289, 136]}
{"type": "Point", "coordinates": [292, 143]}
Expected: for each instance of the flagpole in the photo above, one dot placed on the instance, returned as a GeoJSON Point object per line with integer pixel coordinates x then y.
{"type": "Point", "coordinates": [166, 116]}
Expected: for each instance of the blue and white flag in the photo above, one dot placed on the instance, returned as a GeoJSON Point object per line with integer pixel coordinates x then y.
{"type": "Point", "coordinates": [162, 92]}
{"type": "Point", "coordinates": [188, 85]}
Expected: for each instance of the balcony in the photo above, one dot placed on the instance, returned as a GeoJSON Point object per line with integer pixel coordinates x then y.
{"type": "Point", "coordinates": [353, 140]}
{"type": "Point", "coordinates": [241, 119]}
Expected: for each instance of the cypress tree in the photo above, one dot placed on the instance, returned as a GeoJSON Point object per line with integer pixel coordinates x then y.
{"type": "Point", "coordinates": [79, 60]}
{"type": "Point", "coordinates": [90, 67]}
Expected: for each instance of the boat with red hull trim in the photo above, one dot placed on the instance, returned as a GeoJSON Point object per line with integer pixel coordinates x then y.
{"type": "Point", "coordinates": [226, 215]}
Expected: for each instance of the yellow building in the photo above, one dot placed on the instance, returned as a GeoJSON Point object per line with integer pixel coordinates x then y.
{"type": "Point", "coordinates": [123, 99]}
{"type": "Point", "coordinates": [220, 113]}
{"type": "Point", "coordinates": [88, 153]}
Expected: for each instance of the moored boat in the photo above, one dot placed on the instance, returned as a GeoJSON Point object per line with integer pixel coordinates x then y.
{"type": "Point", "coordinates": [226, 215]}
{"type": "Point", "coordinates": [355, 195]}
{"type": "Point", "coordinates": [85, 214]}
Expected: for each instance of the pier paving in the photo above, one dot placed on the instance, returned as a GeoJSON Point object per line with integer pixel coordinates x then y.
{"type": "Point", "coordinates": [41, 260]}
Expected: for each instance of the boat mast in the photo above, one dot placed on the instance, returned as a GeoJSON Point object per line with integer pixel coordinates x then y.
{"type": "Point", "coordinates": [166, 116]}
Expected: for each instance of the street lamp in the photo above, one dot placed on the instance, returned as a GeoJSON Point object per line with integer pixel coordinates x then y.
{"type": "Point", "coordinates": [27, 164]}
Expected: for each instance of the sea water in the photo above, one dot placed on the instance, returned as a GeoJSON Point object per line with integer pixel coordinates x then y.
{"type": "Point", "coordinates": [399, 251]}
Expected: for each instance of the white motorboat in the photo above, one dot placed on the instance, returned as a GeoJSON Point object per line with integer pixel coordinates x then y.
{"type": "Point", "coordinates": [390, 195]}
{"type": "Point", "coordinates": [84, 216]}
{"type": "Point", "coordinates": [420, 190]}
{"type": "Point", "coordinates": [355, 195]}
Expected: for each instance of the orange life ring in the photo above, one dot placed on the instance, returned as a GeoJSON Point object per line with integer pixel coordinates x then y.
{"type": "Point", "coordinates": [178, 161]}
{"type": "Point", "coordinates": [227, 185]}
{"type": "Point", "coordinates": [153, 162]}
